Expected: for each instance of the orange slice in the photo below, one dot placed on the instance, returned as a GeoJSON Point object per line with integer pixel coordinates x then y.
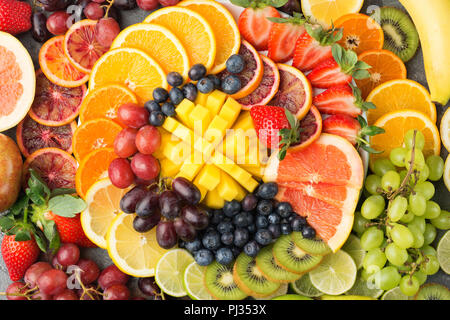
{"type": "Point", "coordinates": [104, 101]}
{"type": "Point", "coordinates": [385, 65]}
{"type": "Point", "coordinates": [57, 67]}
{"type": "Point", "coordinates": [226, 31]}
{"type": "Point", "coordinates": [130, 67]}
{"type": "Point", "coordinates": [92, 135]}
{"type": "Point", "coordinates": [192, 29]}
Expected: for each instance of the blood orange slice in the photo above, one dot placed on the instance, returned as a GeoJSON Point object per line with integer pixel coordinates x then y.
{"type": "Point", "coordinates": [311, 128]}
{"type": "Point", "coordinates": [55, 105]}
{"type": "Point", "coordinates": [81, 46]}
{"type": "Point", "coordinates": [267, 88]}
{"type": "Point", "coordinates": [55, 166]}
{"type": "Point", "coordinates": [322, 182]}
{"type": "Point", "coordinates": [294, 92]}
{"type": "Point", "coordinates": [32, 136]}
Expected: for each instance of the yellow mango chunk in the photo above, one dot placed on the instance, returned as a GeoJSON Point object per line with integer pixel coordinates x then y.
{"type": "Point", "coordinates": [183, 110]}
{"type": "Point", "coordinates": [215, 101]}
{"type": "Point", "coordinates": [201, 98]}
{"type": "Point", "coordinates": [230, 110]}
{"type": "Point", "coordinates": [244, 121]}
{"type": "Point", "coordinates": [176, 151]}
{"type": "Point", "coordinates": [235, 171]}
{"type": "Point", "coordinates": [204, 147]}
{"type": "Point", "coordinates": [216, 130]}
{"type": "Point", "coordinates": [192, 165]}
{"type": "Point", "coordinates": [226, 188]}
{"type": "Point", "coordinates": [255, 170]}
{"type": "Point", "coordinates": [202, 189]}
{"type": "Point", "coordinates": [241, 193]}
{"type": "Point", "coordinates": [199, 118]}
{"type": "Point", "coordinates": [251, 184]}
{"type": "Point", "coordinates": [214, 200]}
{"type": "Point", "coordinates": [209, 177]}
{"type": "Point", "coordinates": [170, 124]}
{"type": "Point", "coordinates": [169, 168]}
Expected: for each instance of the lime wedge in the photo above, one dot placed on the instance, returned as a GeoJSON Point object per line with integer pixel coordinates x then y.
{"type": "Point", "coordinates": [335, 275]}
{"type": "Point", "coordinates": [360, 288]}
{"type": "Point", "coordinates": [303, 286]}
{"type": "Point", "coordinates": [170, 271]}
{"type": "Point", "coordinates": [194, 283]}
{"type": "Point", "coordinates": [353, 247]}
{"type": "Point", "coordinates": [443, 252]}
{"type": "Point", "coordinates": [394, 294]}
{"type": "Point", "coordinates": [282, 290]}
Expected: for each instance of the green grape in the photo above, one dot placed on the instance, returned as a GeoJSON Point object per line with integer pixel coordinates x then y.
{"type": "Point", "coordinates": [432, 211]}
{"type": "Point", "coordinates": [409, 285]}
{"type": "Point", "coordinates": [407, 217]}
{"type": "Point", "coordinates": [418, 222]}
{"type": "Point", "coordinates": [423, 174]}
{"type": "Point", "coordinates": [397, 156]}
{"type": "Point", "coordinates": [374, 260]}
{"type": "Point", "coordinates": [428, 250]}
{"type": "Point", "coordinates": [430, 234]}
{"type": "Point", "coordinates": [407, 266]}
{"type": "Point", "coordinates": [417, 204]}
{"type": "Point", "coordinates": [381, 166]}
{"type": "Point", "coordinates": [419, 239]}
{"type": "Point", "coordinates": [372, 184]}
{"type": "Point", "coordinates": [396, 255]}
{"type": "Point", "coordinates": [430, 265]}
{"type": "Point", "coordinates": [420, 276]}
{"type": "Point", "coordinates": [409, 139]}
{"type": "Point", "coordinates": [372, 207]}
{"type": "Point", "coordinates": [443, 221]}
{"type": "Point", "coordinates": [390, 181]}
{"type": "Point", "coordinates": [359, 223]}
{"type": "Point", "coordinates": [372, 238]}
{"type": "Point", "coordinates": [402, 236]}
{"type": "Point", "coordinates": [397, 208]}
{"type": "Point", "coordinates": [426, 189]}
{"type": "Point", "coordinates": [436, 165]}
{"type": "Point", "coordinates": [419, 159]}
{"type": "Point", "coordinates": [387, 278]}
{"type": "Point", "coordinates": [364, 274]}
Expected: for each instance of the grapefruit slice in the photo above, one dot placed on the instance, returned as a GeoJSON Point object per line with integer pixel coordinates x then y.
{"type": "Point", "coordinates": [322, 182]}
{"type": "Point", "coordinates": [294, 92]}
{"type": "Point", "coordinates": [17, 81]}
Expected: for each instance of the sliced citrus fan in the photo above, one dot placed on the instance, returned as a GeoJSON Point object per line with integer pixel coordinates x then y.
{"type": "Point", "coordinates": [132, 252]}
{"type": "Point", "coordinates": [17, 81]}
{"type": "Point", "coordinates": [57, 67]}
{"type": "Point", "coordinates": [159, 43]}
{"type": "Point", "coordinates": [55, 166]}
{"type": "Point", "coordinates": [130, 67]}
{"type": "Point", "coordinates": [192, 29]}
{"type": "Point", "coordinates": [323, 183]}
{"type": "Point", "coordinates": [226, 31]}
{"type": "Point", "coordinates": [104, 102]}
{"type": "Point", "coordinates": [327, 12]}
{"type": "Point", "coordinates": [81, 46]}
{"type": "Point", "coordinates": [103, 205]}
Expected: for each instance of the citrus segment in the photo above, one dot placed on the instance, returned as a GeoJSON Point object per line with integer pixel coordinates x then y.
{"type": "Point", "coordinates": [446, 175]}
{"type": "Point", "coordinates": [194, 282]}
{"type": "Point", "coordinates": [304, 287]}
{"type": "Point", "coordinates": [394, 294]}
{"type": "Point", "coordinates": [443, 252]}
{"type": "Point", "coordinates": [311, 128]}
{"type": "Point", "coordinates": [327, 12]}
{"type": "Point", "coordinates": [353, 247]}
{"type": "Point", "coordinates": [445, 130]}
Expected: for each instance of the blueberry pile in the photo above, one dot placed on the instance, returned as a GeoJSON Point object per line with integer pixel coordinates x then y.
{"type": "Point", "coordinates": [246, 226]}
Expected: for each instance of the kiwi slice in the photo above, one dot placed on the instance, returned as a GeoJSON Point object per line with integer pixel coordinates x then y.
{"type": "Point", "coordinates": [314, 246]}
{"type": "Point", "coordinates": [433, 291]}
{"type": "Point", "coordinates": [272, 270]}
{"type": "Point", "coordinates": [292, 258]}
{"type": "Point", "coordinates": [400, 34]}
{"type": "Point", "coordinates": [250, 279]}
{"type": "Point", "coordinates": [220, 283]}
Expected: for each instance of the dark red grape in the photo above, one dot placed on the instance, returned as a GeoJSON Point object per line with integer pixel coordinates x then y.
{"type": "Point", "coordinates": [148, 205]}
{"type": "Point", "coordinates": [145, 166]}
{"type": "Point", "coordinates": [52, 281]}
{"type": "Point", "coordinates": [132, 115]}
{"type": "Point", "coordinates": [54, 5]}
{"type": "Point", "coordinates": [131, 198]}
{"type": "Point", "coordinates": [149, 287]}
{"type": "Point", "coordinates": [39, 31]}
{"type": "Point", "coordinates": [148, 5]}
{"type": "Point", "coordinates": [143, 225]}
{"type": "Point", "coordinates": [125, 4]}
{"type": "Point", "coordinates": [67, 294]}
{"type": "Point", "coordinates": [57, 23]}
{"type": "Point", "coordinates": [94, 11]}
{"type": "Point", "coordinates": [169, 205]}
{"type": "Point", "coordinates": [116, 292]}
{"type": "Point", "coordinates": [99, 1]}
{"type": "Point", "coordinates": [168, 3]}
{"type": "Point", "coordinates": [195, 216]}
{"type": "Point", "coordinates": [16, 291]}
{"type": "Point", "coordinates": [184, 230]}
{"type": "Point", "coordinates": [41, 296]}
{"type": "Point", "coordinates": [142, 182]}
{"type": "Point", "coordinates": [186, 190]}
{"type": "Point", "coordinates": [124, 144]}
{"type": "Point", "coordinates": [68, 254]}
{"type": "Point", "coordinates": [120, 173]}
{"type": "Point", "coordinates": [106, 30]}
{"type": "Point", "coordinates": [166, 235]}
{"type": "Point", "coordinates": [56, 264]}
{"type": "Point", "coordinates": [34, 272]}
{"type": "Point", "coordinates": [89, 271]}
{"type": "Point", "coordinates": [112, 275]}
{"type": "Point", "coordinates": [148, 139]}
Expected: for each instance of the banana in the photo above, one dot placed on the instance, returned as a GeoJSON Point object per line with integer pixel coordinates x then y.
{"type": "Point", "coordinates": [432, 20]}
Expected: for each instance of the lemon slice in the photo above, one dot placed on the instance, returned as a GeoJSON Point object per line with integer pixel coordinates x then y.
{"type": "Point", "coordinates": [132, 252]}
{"type": "Point", "coordinates": [328, 11]}
{"type": "Point", "coordinates": [194, 282]}
{"type": "Point", "coordinates": [447, 173]}
{"type": "Point", "coordinates": [394, 294]}
{"type": "Point", "coordinates": [445, 130]}
{"type": "Point", "coordinates": [361, 288]}
{"type": "Point", "coordinates": [170, 270]}
{"type": "Point", "coordinates": [443, 252]}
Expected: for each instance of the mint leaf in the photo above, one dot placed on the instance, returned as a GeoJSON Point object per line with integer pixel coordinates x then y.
{"type": "Point", "coordinates": [66, 205]}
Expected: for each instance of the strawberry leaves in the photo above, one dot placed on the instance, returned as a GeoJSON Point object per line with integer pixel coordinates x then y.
{"type": "Point", "coordinates": [297, 19]}
{"type": "Point", "coordinates": [324, 37]}
{"type": "Point", "coordinates": [359, 101]}
{"type": "Point", "coordinates": [259, 3]}
{"type": "Point", "coordinates": [289, 136]}
{"type": "Point", "coordinates": [368, 131]}
{"type": "Point", "coordinates": [349, 63]}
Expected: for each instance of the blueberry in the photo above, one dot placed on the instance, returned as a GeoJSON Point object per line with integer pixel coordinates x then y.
{"type": "Point", "coordinates": [204, 257]}
{"type": "Point", "coordinates": [249, 217]}
{"type": "Point", "coordinates": [190, 91]}
{"type": "Point", "coordinates": [193, 246]}
{"type": "Point", "coordinates": [157, 118]}
{"type": "Point", "coordinates": [231, 208]}
{"type": "Point", "coordinates": [227, 238]}
{"type": "Point", "coordinates": [205, 85]}
{"type": "Point", "coordinates": [215, 79]}
{"type": "Point", "coordinates": [197, 72]}
{"type": "Point", "coordinates": [181, 244]}
{"type": "Point", "coordinates": [152, 105]}
{"type": "Point", "coordinates": [224, 256]}
{"type": "Point", "coordinates": [274, 218]}
{"type": "Point", "coordinates": [231, 84]}
{"type": "Point", "coordinates": [176, 95]}
{"type": "Point", "coordinates": [297, 223]}
{"type": "Point", "coordinates": [261, 222]}
{"type": "Point", "coordinates": [240, 220]}
{"type": "Point", "coordinates": [235, 64]}
{"type": "Point", "coordinates": [241, 237]}
{"type": "Point", "coordinates": [275, 230]}
{"type": "Point", "coordinates": [160, 95]}
{"type": "Point", "coordinates": [284, 209]}
{"type": "Point", "coordinates": [236, 251]}
{"type": "Point", "coordinates": [252, 248]}
{"type": "Point", "coordinates": [168, 109]}
{"type": "Point", "coordinates": [174, 79]}
{"type": "Point", "coordinates": [252, 228]}
{"type": "Point", "coordinates": [267, 190]}
{"type": "Point", "coordinates": [308, 232]}
{"type": "Point", "coordinates": [211, 240]}
{"type": "Point", "coordinates": [264, 207]}
{"type": "Point", "coordinates": [217, 217]}
{"type": "Point", "coordinates": [249, 202]}
{"type": "Point", "coordinates": [291, 217]}
{"type": "Point", "coordinates": [225, 227]}
{"type": "Point", "coordinates": [285, 228]}
{"type": "Point", "coordinates": [263, 237]}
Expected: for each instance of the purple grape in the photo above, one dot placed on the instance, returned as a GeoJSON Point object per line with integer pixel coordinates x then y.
{"type": "Point", "coordinates": [184, 230]}
{"type": "Point", "coordinates": [131, 198]}
{"type": "Point", "coordinates": [143, 225]}
{"type": "Point", "coordinates": [195, 216]}
{"type": "Point", "coordinates": [148, 205]}
{"type": "Point", "coordinates": [39, 31]}
{"type": "Point", "coordinates": [166, 235]}
{"type": "Point", "coordinates": [186, 190]}
{"type": "Point", "coordinates": [169, 205]}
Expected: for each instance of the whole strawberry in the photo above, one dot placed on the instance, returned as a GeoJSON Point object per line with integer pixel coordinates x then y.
{"type": "Point", "coordinates": [18, 255]}
{"type": "Point", "coordinates": [15, 16]}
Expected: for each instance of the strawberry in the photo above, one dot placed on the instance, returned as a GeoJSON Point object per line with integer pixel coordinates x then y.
{"type": "Point", "coordinates": [338, 70]}
{"type": "Point", "coordinates": [344, 99]}
{"type": "Point", "coordinates": [18, 255]}
{"type": "Point", "coordinates": [283, 37]}
{"type": "Point", "coordinates": [314, 46]}
{"type": "Point", "coordinates": [15, 16]}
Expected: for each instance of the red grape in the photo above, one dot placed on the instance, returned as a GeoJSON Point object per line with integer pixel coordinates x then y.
{"type": "Point", "coordinates": [148, 286]}
{"type": "Point", "coordinates": [34, 272]}
{"type": "Point", "coordinates": [112, 275]}
{"type": "Point", "coordinates": [167, 3]}
{"type": "Point", "coordinates": [67, 294]}
{"type": "Point", "coordinates": [106, 31]}
{"type": "Point", "coordinates": [41, 296]}
{"type": "Point", "coordinates": [169, 205]}
{"type": "Point", "coordinates": [57, 22]}
{"type": "Point", "coordinates": [143, 225]}
{"type": "Point", "coordinates": [145, 183]}
{"type": "Point", "coordinates": [94, 11]}
{"type": "Point", "coordinates": [124, 144]}
{"type": "Point", "coordinates": [57, 265]}
{"type": "Point", "coordinates": [99, 1]}
{"type": "Point", "coordinates": [68, 254]}
{"type": "Point", "coordinates": [120, 173]}
{"type": "Point", "coordinates": [195, 216]}
{"type": "Point", "coordinates": [148, 139]}
{"type": "Point", "coordinates": [14, 289]}
{"type": "Point", "coordinates": [184, 230]}
{"type": "Point", "coordinates": [148, 5]}
{"type": "Point", "coordinates": [52, 282]}
{"type": "Point", "coordinates": [132, 115]}
{"type": "Point", "coordinates": [186, 190]}
{"type": "Point", "coordinates": [166, 235]}
{"type": "Point", "coordinates": [116, 292]}
{"type": "Point", "coordinates": [145, 166]}
{"type": "Point", "coordinates": [89, 271]}
{"type": "Point", "coordinates": [131, 198]}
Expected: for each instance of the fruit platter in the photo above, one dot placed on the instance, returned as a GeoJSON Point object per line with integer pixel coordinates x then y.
{"type": "Point", "coordinates": [224, 150]}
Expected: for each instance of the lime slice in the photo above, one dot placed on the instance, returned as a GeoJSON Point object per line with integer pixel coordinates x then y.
{"type": "Point", "coordinates": [361, 288]}
{"type": "Point", "coordinates": [353, 247]}
{"type": "Point", "coordinates": [394, 294]}
{"type": "Point", "coordinates": [282, 290]}
{"type": "Point", "coordinates": [335, 275]}
{"type": "Point", "coordinates": [194, 283]}
{"type": "Point", "coordinates": [170, 271]}
{"type": "Point", "coordinates": [443, 252]}
{"type": "Point", "coordinates": [303, 286]}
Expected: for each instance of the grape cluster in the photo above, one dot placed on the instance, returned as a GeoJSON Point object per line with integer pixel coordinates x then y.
{"type": "Point", "coordinates": [246, 226]}
{"type": "Point", "coordinates": [398, 220]}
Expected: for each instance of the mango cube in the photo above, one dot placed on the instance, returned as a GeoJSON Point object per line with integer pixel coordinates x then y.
{"type": "Point", "coordinates": [203, 190]}
{"type": "Point", "coordinates": [169, 168]}
{"type": "Point", "coordinates": [199, 119]}
{"type": "Point", "coordinates": [183, 110]}
{"type": "Point", "coordinates": [230, 110]}
{"type": "Point", "coordinates": [201, 98]}
{"type": "Point", "coordinates": [240, 192]}
{"type": "Point", "coordinates": [214, 200]}
{"type": "Point", "coordinates": [170, 124]}
{"type": "Point", "coordinates": [192, 165]}
{"type": "Point", "coordinates": [226, 188]}
{"type": "Point", "coordinates": [176, 151]}
{"type": "Point", "coordinates": [215, 101]}
{"type": "Point", "coordinates": [244, 121]}
{"type": "Point", "coordinates": [251, 184]}
{"type": "Point", "coordinates": [209, 177]}
{"type": "Point", "coordinates": [216, 130]}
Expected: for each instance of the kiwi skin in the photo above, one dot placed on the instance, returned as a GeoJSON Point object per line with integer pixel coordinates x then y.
{"type": "Point", "coordinates": [432, 291]}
